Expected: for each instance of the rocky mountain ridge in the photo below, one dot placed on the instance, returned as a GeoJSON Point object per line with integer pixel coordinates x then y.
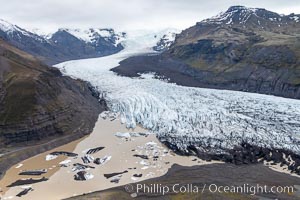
{"type": "Point", "coordinates": [72, 43]}
{"type": "Point", "coordinates": [255, 16]}
{"type": "Point", "coordinates": [244, 49]}
{"type": "Point", "coordinates": [64, 44]}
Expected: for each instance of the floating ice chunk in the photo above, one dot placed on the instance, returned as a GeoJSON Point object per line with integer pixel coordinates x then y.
{"type": "Point", "coordinates": [80, 167]}
{"type": "Point", "coordinates": [122, 135]}
{"type": "Point", "coordinates": [19, 165]}
{"type": "Point", "coordinates": [151, 144]}
{"type": "Point", "coordinates": [116, 179]}
{"type": "Point", "coordinates": [65, 163]}
{"type": "Point", "coordinates": [134, 178]}
{"type": "Point", "coordinates": [87, 159]}
{"type": "Point", "coordinates": [83, 175]}
{"type": "Point", "coordinates": [143, 162]}
{"type": "Point", "coordinates": [104, 114]}
{"type": "Point", "coordinates": [130, 134]}
{"type": "Point", "coordinates": [101, 161]}
{"type": "Point", "coordinates": [50, 157]}
{"type": "Point", "coordinates": [26, 186]}
{"type": "Point", "coordinates": [150, 174]}
{"type": "Point", "coordinates": [89, 176]}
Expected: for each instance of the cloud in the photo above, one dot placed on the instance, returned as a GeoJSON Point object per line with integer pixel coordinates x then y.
{"type": "Point", "coordinates": [125, 14]}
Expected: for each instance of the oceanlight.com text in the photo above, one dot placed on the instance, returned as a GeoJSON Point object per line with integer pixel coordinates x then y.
{"type": "Point", "coordinates": [211, 188]}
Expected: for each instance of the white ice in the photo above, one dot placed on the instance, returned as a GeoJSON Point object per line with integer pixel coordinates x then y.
{"type": "Point", "coordinates": [185, 115]}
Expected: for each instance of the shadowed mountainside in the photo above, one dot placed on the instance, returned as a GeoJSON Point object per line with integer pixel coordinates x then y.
{"type": "Point", "coordinates": [38, 104]}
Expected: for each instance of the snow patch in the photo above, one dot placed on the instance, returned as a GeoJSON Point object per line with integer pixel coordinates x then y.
{"type": "Point", "coordinates": [92, 34]}
{"type": "Point", "coordinates": [295, 18]}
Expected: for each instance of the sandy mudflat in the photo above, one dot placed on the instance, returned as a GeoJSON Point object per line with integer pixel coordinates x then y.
{"type": "Point", "coordinates": [62, 184]}
{"type": "Point", "coordinates": [36, 162]}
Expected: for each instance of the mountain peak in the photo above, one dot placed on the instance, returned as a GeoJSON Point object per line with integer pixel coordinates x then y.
{"type": "Point", "coordinates": [8, 29]}
{"type": "Point", "coordinates": [6, 26]}
{"type": "Point", "coordinates": [91, 35]}
{"type": "Point", "coordinates": [258, 17]}
{"type": "Point", "coordinates": [242, 8]}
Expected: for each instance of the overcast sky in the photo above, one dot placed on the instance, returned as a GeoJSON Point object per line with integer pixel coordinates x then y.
{"type": "Point", "coordinates": [125, 14]}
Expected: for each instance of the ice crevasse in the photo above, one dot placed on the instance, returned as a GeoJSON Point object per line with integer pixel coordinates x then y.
{"type": "Point", "coordinates": [218, 119]}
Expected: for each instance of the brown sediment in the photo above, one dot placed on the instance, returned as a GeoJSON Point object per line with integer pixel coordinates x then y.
{"type": "Point", "coordinates": [14, 157]}
{"type": "Point", "coordinates": [123, 151]}
{"type": "Point", "coordinates": [122, 159]}
{"type": "Point", "coordinates": [36, 162]}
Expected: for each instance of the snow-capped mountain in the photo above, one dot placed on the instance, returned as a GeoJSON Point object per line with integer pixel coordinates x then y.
{"type": "Point", "coordinates": [42, 33]}
{"type": "Point", "coordinates": [18, 36]}
{"type": "Point", "coordinates": [253, 17]}
{"type": "Point", "coordinates": [73, 43]}
{"type": "Point", "coordinates": [64, 44]}
{"type": "Point", "coordinates": [92, 35]}
{"type": "Point", "coordinates": [78, 43]}
{"type": "Point", "coordinates": [11, 30]}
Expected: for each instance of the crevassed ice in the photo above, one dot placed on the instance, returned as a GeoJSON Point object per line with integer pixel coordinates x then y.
{"type": "Point", "coordinates": [184, 115]}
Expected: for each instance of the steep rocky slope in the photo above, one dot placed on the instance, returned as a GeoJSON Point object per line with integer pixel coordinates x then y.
{"type": "Point", "coordinates": [64, 44]}
{"type": "Point", "coordinates": [38, 105]}
{"type": "Point", "coordinates": [245, 49]}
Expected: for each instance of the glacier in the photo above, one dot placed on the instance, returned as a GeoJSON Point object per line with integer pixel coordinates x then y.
{"type": "Point", "coordinates": [218, 119]}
